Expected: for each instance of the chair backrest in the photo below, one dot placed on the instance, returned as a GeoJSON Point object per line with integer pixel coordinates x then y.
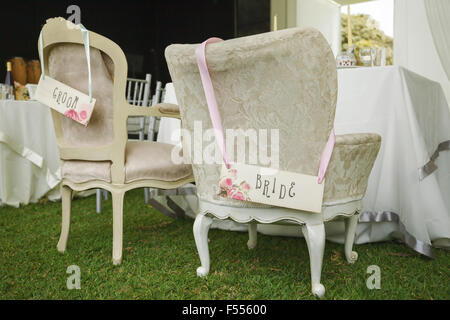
{"type": "Point", "coordinates": [138, 91]}
{"type": "Point", "coordinates": [283, 80]}
{"type": "Point", "coordinates": [105, 136]}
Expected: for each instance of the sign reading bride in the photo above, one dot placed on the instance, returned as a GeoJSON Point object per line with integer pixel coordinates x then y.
{"type": "Point", "coordinates": [270, 186]}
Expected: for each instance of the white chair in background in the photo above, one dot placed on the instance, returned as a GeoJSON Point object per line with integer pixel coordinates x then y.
{"type": "Point", "coordinates": [152, 123]}
{"type": "Point", "coordinates": [138, 94]}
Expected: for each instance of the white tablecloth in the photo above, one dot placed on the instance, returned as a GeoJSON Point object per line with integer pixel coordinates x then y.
{"type": "Point", "coordinates": [29, 158]}
{"type": "Point", "coordinates": [412, 116]}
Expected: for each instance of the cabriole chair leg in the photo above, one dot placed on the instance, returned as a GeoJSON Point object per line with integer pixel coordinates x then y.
{"type": "Point", "coordinates": [117, 202]}
{"type": "Point", "coordinates": [350, 230]}
{"type": "Point", "coordinates": [201, 228]}
{"type": "Point", "coordinates": [315, 239]}
{"type": "Point", "coordinates": [66, 202]}
{"type": "Point", "coordinates": [252, 235]}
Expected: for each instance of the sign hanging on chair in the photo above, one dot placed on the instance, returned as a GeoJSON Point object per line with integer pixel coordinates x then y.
{"type": "Point", "coordinates": [259, 184]}
{"type": "Point", "coordinates": [272, 187]}
{"type": "Point", "coordinates": [66, 100]}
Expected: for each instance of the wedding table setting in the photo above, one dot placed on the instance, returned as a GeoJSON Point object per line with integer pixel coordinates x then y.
{"type": "Point", "coordinates": [409, 112]}
{"type": "Point", "coordinates": [408, 194]}
{"type": "Point", "coordinates": [359, 153]}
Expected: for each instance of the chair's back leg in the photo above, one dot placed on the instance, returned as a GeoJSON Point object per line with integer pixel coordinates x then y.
{"type": "Point", "coordinates": [66, 202]}
{"type": "Point", "coordinates": [252, 235]}
{"type": "Point", "coordinates": [98, 199]}
{"type": "Point", "coordinates": [350, 230]}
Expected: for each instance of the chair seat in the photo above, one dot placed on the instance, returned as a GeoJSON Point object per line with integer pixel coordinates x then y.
{"type": "Point", "coordinates": [143, 160]}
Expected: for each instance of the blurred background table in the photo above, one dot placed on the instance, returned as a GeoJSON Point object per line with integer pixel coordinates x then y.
{"type": "Point", "coordinates": [29, 158]}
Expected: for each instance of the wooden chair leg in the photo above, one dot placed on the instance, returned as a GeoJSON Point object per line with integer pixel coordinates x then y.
{"type": "Point", "coordinates": [315, 238]}
{"type": "Point", "coordinates": [117, 202]}
{"type": "Point", "coordinates": [201, 228]}
{"type": "Point", "coordinates": [350, 230]}
{"type": "Point", "coordinates": [252, 236]}
{"type": "Point", "coordinates": [98, 199]}
{"type": "Point", "coordinates": [66, 201]}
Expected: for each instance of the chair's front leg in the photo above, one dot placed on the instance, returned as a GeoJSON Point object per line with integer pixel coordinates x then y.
{"type": "Point", "coordinates": [117, 202]}
{"type": "Point", "coordinates": [252, 235]}
{"type": "Point", "coordinates": [350, 230]}
{"type": "Point", "coordinates": [66, 202]}
{"type": "Point", "coordinates": [315, 238]}
{"type": "Point", "coordinates": [201, 228]}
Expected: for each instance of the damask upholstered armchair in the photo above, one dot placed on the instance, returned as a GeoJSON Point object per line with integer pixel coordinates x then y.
{"type": "Point", "coordinates": [283, 80]}
{"type": "Point", "coordinates": [99, 155]}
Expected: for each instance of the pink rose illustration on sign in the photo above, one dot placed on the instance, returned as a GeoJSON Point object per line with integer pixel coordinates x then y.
{"type": "Point", "coordinates": [85, 111]}
{"type": "Point", "coordinates": [72, 114]}
{"type": "Point", "coordinates": [229, 187]}
{"type": "Point", "coordinates": [83, 115]}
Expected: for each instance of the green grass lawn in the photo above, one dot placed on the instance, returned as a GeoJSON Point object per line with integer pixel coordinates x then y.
{"type": "Point", "coordinates": [160, 260]}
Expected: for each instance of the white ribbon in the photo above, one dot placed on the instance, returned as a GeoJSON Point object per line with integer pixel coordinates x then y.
{"type": "Point", "coordinates": [23, 151]}
{"type": "Point", "coordinates": [85, 37]}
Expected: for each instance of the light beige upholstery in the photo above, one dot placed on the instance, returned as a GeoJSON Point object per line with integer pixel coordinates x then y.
{"type": "Point", "coordinates": [350, 166]}
{"type": "Point", "coordinates": [80, 171]}
{"type": "Point", "coordinates": [144, 160]}
{"type": "Point", "coordinates": [67, 64]}
{"type": "Point", "coordinates": [152, 160]}
{"type": "Point", "coordinates": [282, 80]}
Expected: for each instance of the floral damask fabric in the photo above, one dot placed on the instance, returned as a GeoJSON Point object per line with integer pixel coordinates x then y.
{"type": "Point", "coordinates": [349, 169]}
{"type": "Point", "coordinates": [283, 80]}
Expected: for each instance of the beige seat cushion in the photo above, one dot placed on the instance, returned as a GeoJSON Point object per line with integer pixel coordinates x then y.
{"type": "Point", "coordinates": [144, 160]}
{"type": "Point", "coordinates": [83, 171]}
{"type": "Point", "coordinates": [152, 160]}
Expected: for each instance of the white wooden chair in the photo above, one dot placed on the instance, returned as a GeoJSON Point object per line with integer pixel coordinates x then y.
{"type": "Point", "coordinates": [138, 94]}
{"type": "Point", "coordinates": [100, 155]}
{"type": "Point", "coordinates": [285, 80]}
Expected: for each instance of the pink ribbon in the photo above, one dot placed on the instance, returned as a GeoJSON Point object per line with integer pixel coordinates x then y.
{"type": "Point", "coordinates": [211, 98]}
{"type": "Point", "coordinates": [217, 121]}
{"type": "Point", "coordinates": [326, 156]}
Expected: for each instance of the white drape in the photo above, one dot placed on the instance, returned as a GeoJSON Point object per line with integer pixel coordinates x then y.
{"type": "Point", "coordinates": [438, 14]}
{"type": "Point", "coordinates": [414, 47]}
{"type": "Point", "coordinates": [323, 15]}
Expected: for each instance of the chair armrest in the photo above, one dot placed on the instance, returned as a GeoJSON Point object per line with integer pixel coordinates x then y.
{"type": "Point", "coordinates": [168, 110]}
{"type": "Point", "coordinates": [350, 166]}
